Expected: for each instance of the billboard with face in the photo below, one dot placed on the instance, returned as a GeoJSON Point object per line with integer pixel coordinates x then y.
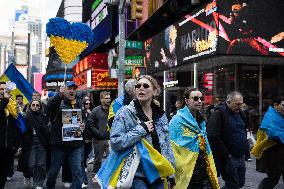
{"type": "Point", "coordinates": [231, 27]}
{"type": "Point", "coordinates": [251, 27]}
{"type": "Point", "coordinates": [192, 37]}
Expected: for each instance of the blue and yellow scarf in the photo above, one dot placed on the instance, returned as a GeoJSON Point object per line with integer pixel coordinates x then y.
{"type": "Point", "coordinates": [155, 165]}
{"type": "Point", "coordinates": [187, 139]}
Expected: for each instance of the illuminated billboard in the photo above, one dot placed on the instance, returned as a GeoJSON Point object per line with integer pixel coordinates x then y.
{"type": "Point", "coordinates": [252, 27]}
{"type": "Point", "coordinates": [231, 27]}
{"type": "Point", "coordinates": [194, 36]}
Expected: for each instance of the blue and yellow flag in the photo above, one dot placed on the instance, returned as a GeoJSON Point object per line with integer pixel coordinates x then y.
{"type": "Point", "coordinates": [23, 87]}
{"type": "Point", "coordinates": [271, 132]}
{"type": "Point", "coordinates": [187, 139]}
{"type": "Point", "coordinates": [154, 164]}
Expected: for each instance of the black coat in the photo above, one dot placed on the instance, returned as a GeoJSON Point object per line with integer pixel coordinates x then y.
{"type": "Point", "coordinates": [10, 134]}
{"type": "Point", "coordinates": [37, 121]}
{"type": "Point", "coordinates": [218, 130]}
{"type": "Point", "coordinates": [54, 112]}
{"type": "Point", "coordinates": [272, 160]}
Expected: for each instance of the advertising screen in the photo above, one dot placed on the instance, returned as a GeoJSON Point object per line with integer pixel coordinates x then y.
{"type": "Point", "coordinates": [192, 37]}
{"type": "Point", "coordinates": [251, 27]}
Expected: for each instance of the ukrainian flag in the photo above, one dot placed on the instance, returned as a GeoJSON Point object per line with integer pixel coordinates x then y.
{"type": "Point", "coordinates": [187, 139]}
{"type": "Point", "coordinates": [23, 87]}
{"type": "Point", "coordinates": [155, 165]}
{"type": "Point", "coordinates": [270, 133]}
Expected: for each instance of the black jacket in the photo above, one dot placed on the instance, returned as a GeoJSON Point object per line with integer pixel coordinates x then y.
{"type": "Point", "coordinates": [54, 113]}
{"type": "Point", "coordinates": [227, 134]}
{"type": "Point", "coordinates": [87, 135]}
{"type": "Point", "coordinates": [97, 123]}
{"type": "Point", "coordinates": [10, 134]}
{"type": "Point", "coordinates": [34, 121]}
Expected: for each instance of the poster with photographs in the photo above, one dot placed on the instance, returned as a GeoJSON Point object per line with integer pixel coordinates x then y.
{"type": "Point", "coordinates": [71, 120]}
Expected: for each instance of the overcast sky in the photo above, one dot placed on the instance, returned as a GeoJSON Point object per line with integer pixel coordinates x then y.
{"type": "Point", "coordinates": [47, 9]}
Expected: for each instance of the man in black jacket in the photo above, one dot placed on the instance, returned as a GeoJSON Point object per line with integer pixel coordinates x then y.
{"type": "Point", "coordinates": [71, 151]}
{"type": "Point", "coordinates": [227, 136]}
{"type": "Point", "coordinates": [97, 125]}
{"type": "Point", "coordinates": [9, 133]}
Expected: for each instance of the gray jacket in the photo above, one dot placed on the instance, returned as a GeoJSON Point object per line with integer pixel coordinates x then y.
{"type": "Point", "coordinates": [96, 123]}
{"type": "Point", "coordinates": [126, 131]}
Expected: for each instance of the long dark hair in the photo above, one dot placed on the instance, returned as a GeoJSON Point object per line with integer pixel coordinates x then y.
{"type": "Point", "coordinates": [29, 110]}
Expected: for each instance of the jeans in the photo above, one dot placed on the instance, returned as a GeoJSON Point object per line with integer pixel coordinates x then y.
{"type": "Point", "coordinates": [233, 173]}
{"type": "Point", "coordinates": [6, 156]}
{"type": "Point", "coordinates": [142, 183]}
{"type": "Point", "coordinates": [270, 181]}
{"type": "Point", "coordinates": [66, 172]}
{"type": "Point", "coordinates": [83, 163]}
{"type": "Point", "coordinates": [87, 150]}
{"type": "Point", "coordinates": [73, 155]}
{"type": "Point", "coordinates": [100, 146]}
{"type": "Point", "coordinates": [37, 162]}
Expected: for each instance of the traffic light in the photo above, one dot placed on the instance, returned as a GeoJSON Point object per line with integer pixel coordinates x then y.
{"type": "Point", "coordinates": [136, 9]}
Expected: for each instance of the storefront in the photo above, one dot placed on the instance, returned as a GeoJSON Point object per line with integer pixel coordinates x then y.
{"type": "Point", "coordinates": [221, 47]}
{"type": "Point", "coordinates": [92, 76]}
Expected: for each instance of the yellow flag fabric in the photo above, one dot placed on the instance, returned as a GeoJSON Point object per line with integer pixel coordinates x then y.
{"type": "Point", "coordinates": [262, 143]}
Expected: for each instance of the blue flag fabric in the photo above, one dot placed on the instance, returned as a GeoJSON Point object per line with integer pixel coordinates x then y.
{"type": "Point", "coordinates": [273, 125]}
{"type": "Point", "coordinates": [23, 87]}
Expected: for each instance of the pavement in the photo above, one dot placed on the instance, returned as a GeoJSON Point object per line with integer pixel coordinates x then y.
{"type": "Point", "coordinates": [252, 179]}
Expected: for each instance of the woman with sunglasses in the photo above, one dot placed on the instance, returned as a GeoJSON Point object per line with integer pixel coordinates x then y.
{"type": "Point", "coordinates": [195, 166]}
{"type": "Point", "coordinates": [35, 141]}
{"type": "Point", "coordinates": [87, 137]}
{"type": "Point", "coordinates": [139, 123]}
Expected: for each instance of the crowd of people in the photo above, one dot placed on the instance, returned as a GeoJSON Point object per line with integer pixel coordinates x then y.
{"type": "Point", "coordinates": [144, 148]}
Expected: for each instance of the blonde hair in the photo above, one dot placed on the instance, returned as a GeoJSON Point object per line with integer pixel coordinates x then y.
{"type": "Point", "coordinates": [154, 83]}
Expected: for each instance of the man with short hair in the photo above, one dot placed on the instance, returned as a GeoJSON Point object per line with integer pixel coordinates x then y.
{"type": "Point", "coordinates": [193, 158]}
{"type": "Point", "coordinates": [227, 135]}
{"type": "Point", "coordinates": [64, 150]}
{"type": "Point", "coordinates": [97, 125]}
{"type": "Point", "coordinates": [123, 100]}
{"type": "Point", "coordinates": [9, 132]}
{"type": "Point", "coordinates": [20, 102]}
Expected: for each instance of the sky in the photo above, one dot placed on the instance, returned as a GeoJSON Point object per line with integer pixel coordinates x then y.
{"type": "Point", "coordinates": [46, 9]}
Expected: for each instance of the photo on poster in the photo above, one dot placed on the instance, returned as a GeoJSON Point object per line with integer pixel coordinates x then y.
{"type": "Point", "coordinates": [71, 116]}
{"type": "Point", "coordinates": [71, 132]}
{"type": "Point", "coordinates": [71, 120]}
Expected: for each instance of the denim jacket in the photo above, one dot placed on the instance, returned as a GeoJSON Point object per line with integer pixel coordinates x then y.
{"type": "Point", "coordinates": [127, 130]}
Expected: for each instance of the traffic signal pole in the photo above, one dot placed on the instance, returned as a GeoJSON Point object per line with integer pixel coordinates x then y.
{"type": "Point", "coordinates": [121, 55]}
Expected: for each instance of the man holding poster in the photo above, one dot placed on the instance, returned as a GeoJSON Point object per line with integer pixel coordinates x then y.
{"type": "Point", "coordinates": [64, 111]}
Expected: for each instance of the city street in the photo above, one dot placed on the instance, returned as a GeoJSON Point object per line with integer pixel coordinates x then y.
{"type": "Point", "coordinates": [252, 179]}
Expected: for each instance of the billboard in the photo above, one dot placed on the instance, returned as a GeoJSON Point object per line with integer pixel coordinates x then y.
{"type": "Point", "coordinates": [231, 27]}
{"type": "Point", "coordinates": [194, 36]}
{"type": "Point", "coordinates": [21, 15]}
{"type": "Point", "coordinates": [253, 27]}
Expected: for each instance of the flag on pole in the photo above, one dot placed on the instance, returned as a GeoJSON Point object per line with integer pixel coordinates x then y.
{"type": "Point", "coordinates": [23, 87]}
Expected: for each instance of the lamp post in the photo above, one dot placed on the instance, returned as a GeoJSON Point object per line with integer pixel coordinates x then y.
{"type": "Point", "coordinates": [121, 55]}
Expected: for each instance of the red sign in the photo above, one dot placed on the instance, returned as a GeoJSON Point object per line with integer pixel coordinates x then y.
{"type": "Point", "coordinates": [94, 60]}
{"type": "Point", "coordinates": [81, 80]}
{"type": "Point", "coordinates": [101, 79]}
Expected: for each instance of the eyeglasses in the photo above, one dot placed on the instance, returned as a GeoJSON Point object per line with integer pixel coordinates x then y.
{"type": "Point", "coordinates": [196, 98]}
{"type": "Point", "coordinates": [87, 103]}
{"type": "Point", "coordinates": [139, 85]}
{"type": "Point", "coordinates": [35, 105]}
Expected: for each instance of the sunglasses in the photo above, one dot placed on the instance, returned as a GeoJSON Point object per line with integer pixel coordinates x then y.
{"type": "Point", "coordinates": [139, 85]}
{"type": "Point", "coordinates": [87, 103]}
{"type": "Point", "coordinates": [35, 105]}
{"type": "Point", "coordinates": [196, 98]}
